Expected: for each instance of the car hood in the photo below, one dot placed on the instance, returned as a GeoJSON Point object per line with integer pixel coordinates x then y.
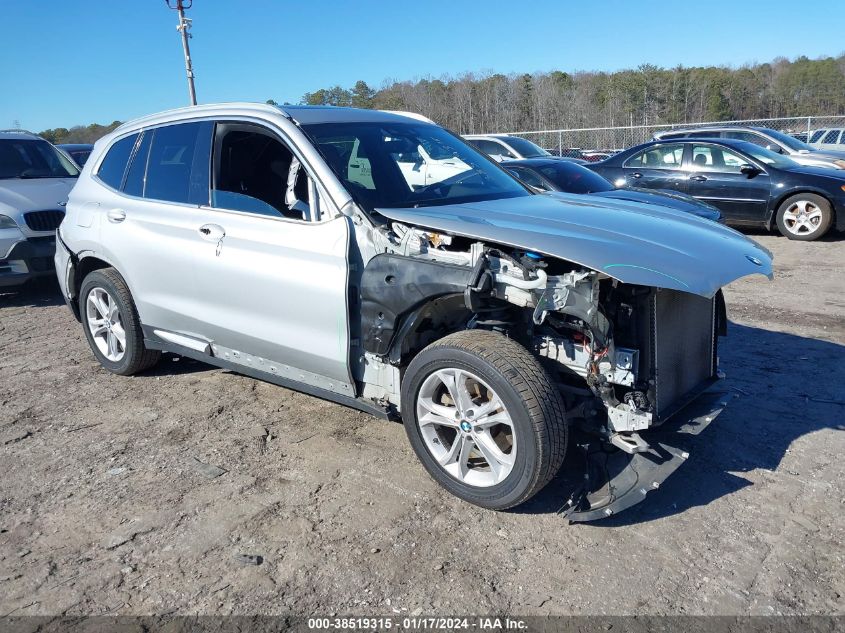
{"type": "Point", "coordinates": [635, 243]}
{"type": "Point", "coordinates": [823, 172]}
{"type": "Point", "coordinates": [18, 195]}
{"type": "Point", "coordinates": [673, 200]}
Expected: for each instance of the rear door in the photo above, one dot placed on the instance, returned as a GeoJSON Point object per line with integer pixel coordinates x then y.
{"type": "Point", "coordinates": [149, 230]}
{"type": "Point", "coordinates": [715, 177]}
{"type": "Point", "coordinates": [657, 167]}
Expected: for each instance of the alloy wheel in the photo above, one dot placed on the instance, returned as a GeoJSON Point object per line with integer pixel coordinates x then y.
{"type": "Point", "coordinates": [802, 218]}
{"type": "Point", "coordinates": [105, 324]}
{"type": "Point", "coordinates": [466, 427]}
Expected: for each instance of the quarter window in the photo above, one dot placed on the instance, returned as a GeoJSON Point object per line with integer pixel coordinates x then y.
{"type": "Point", "coordinates": [178, 165]}
{"type": "Point", "coordinates": [658, 157]}
{"type": "Point", "coordinates": [113, 167]}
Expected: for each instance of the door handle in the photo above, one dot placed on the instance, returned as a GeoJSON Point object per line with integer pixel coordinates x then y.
{"type": "Point", "coordinates": [212, 232]}
{"type": "Point", "coordinates": [698, 178]}
{"type": "Point", "coordinates": [116, 216]}
{"type": "Point", "coordinates": [636, 174]}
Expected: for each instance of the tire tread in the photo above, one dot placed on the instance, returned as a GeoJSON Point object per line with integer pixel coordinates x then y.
{"type": "Point", "coordinates": [543, 402]}
{"type": "Point", "coordinates": [142, 358]}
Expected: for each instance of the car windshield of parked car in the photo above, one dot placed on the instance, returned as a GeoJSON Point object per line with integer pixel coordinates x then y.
{"type": "Point", "coordinates": [790, 141]}
{"type": "Point", "coordinates": [768, 157]}
{"type": "Point", "coordinates": [32, 158]}
{"type": "Point", "coordinates": [389, 165]}
{"type": "Point", "coordinates": [525, 147]}
{"type": "Point", "coordinates": [573, 178]}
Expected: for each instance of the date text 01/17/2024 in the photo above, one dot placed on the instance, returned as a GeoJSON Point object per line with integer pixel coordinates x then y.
{"type": "Point", "coordinates": [417, 623]}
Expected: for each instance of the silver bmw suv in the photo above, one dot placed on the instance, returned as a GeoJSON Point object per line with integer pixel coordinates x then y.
{"type": "Point", "coordinates": [377, 260]}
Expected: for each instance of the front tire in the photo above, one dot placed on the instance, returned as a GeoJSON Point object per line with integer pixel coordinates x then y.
{"type": "Point", "coordinates": [804, 217]}
{"type": "Point", "coordinates": [484, 418]}
{"type": "Point", "coordinates": [111, 324]}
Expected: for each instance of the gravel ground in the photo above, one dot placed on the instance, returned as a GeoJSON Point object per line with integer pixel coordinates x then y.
{"type": "Point", "coordinates": [109, 504]}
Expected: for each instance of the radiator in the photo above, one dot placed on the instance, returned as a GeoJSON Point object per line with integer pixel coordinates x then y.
{"type": "Point", "coordinates": [683, 348]}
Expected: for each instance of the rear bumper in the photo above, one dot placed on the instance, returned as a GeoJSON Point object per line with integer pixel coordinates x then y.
{"type": "Point", "coordinates": [28, 259]}
{"type": "Point", "coordinates": [614, 480]}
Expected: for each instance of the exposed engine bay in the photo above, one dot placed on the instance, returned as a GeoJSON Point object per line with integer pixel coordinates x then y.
{"type": "Point", "coordinates": [625, 357]}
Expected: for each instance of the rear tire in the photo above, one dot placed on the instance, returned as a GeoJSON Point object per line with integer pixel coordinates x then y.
{"type": "Point", "coordinates": [506, 436]}
{"type": "Point", "coordinates": [112, 325]}
{"type": "Point", "coordinates": [804, 217]}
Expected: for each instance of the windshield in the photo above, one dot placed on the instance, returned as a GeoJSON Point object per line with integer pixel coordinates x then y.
{"type": "Point", "coordinates": [790, 141]}
{"type": "Point", "coordinates": [768, 157]}
{"type": "Point", "coordinates": [525, 147]}
{"type": "Point", "coordinates": [33, 158]}
{"type": "Point", "coordinates": [573, 178]}
{"type": "Point", "coordinates": [389, 165]}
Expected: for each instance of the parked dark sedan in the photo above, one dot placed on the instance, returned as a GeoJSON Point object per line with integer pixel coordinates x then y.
{"type": "Point", "coordinates": [555, 175]}
{"type": "Point", "coordinates": [750, 185]}
{"type": "Point", "coordinates": [79, 152]}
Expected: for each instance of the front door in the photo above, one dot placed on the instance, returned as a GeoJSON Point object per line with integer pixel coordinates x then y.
{"type": "Point", "coordinates": [716, 178]}
{"type": "Point", "coordinates": [273, 269]}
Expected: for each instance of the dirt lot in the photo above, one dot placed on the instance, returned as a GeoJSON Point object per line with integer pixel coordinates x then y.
{"type": "Point", "coordinates": [104, 508]}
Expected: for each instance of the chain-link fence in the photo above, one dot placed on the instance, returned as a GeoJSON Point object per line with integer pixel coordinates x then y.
{"type": "Point", "coordinates": [611, 139]}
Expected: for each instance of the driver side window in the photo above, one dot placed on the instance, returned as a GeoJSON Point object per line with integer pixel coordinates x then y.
{"type": "Point", "coordinates": [255, 172]}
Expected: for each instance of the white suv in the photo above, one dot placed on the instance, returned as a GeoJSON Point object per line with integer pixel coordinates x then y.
{"type": "Point", "coordinates": [489, 318]}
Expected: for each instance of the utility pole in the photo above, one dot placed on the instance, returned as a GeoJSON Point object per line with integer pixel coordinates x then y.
{"type": "Point", "coordinates": [184, 25]}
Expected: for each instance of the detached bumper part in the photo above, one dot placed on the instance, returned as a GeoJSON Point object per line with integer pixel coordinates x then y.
{"type": "Point", "coordinates": [615, 480]}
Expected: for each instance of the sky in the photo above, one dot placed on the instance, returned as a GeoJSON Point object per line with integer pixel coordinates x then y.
{"type": "Point", "coordinates": [69, 62]}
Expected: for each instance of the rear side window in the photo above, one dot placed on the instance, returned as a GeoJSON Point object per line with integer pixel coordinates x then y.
{"type": "Point", "coordinates": [179, 163]}
{"type": "Point", "coordinates": [816, 136]}
{"type": "Point", "coordinates": [114, 164]}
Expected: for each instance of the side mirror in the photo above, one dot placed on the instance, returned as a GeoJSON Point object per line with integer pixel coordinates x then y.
{"type": "Point", "coordinates": [777, 149]}
{"type": "Point", "coordinates": [749, 170]}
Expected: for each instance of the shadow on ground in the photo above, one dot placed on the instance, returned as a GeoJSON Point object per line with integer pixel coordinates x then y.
{"type": "Point", "coordinates": [41, 293]}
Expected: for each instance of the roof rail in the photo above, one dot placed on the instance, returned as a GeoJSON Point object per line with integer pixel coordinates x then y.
{"type": "Point", "coordinates": [18, 131]}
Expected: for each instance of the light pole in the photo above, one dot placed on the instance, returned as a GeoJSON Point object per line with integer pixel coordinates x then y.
{"type": "Point", "coordinates": [184, 25]}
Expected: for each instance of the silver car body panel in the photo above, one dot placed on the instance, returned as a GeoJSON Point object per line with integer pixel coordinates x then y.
{"type": "Point", "coordinates": [628, 241]}
{"type": "Point", "coordinates": [220, 292]}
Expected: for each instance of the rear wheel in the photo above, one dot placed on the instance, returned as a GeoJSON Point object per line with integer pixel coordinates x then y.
{"type": "Point", "coordinates": [805, 217]}
{"type": "Point", "coordinates": [484, 418]}
{"type": "Point", "coordinates": [111, 324]}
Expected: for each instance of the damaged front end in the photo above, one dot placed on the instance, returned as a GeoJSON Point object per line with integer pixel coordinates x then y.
{"type": "Point", "coordinates": [627, 357]}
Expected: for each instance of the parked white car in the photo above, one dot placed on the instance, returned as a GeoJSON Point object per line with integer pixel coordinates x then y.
{"type": "Point", "coordinates": [832, 138]}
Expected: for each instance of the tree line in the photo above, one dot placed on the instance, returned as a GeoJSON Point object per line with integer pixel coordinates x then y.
{"type": "Point", "coordinates": [78, 133]}
{"type": "Point", "coordinates": [646, 95]}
